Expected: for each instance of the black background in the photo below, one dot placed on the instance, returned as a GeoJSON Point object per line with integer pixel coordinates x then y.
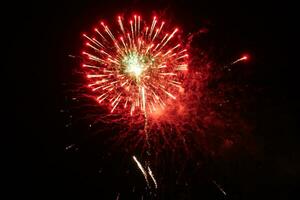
{"type": "Point", "coordinates": [41, 35]}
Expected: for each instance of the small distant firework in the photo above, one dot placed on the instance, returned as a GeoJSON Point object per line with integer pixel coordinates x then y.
{"type": "Point", "coordinates": [137, 68]}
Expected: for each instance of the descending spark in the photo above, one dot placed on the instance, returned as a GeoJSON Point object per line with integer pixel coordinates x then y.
{"type": "Point", "coordinates": [142, 169]}
{"type": "Point", "coordinates": [133, 72]}
{"type": "Point", "coordinates": [220, 188]}
{"type": "Point", "coordinates": [152, 176]}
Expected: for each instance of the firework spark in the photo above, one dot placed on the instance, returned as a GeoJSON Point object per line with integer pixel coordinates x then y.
{"type": "Point", "coordinates": [246, 57]}
{"type": "Point", "coordinates": [144, 172]}
{"type": "Point", "coordinates": [136, 69]}
{"type": "Point", "coordinates": [142, 169]}
{"type": "Point", "coordinates": [152, 176]}
{"type": "Point", "coordinates": [220, 188]}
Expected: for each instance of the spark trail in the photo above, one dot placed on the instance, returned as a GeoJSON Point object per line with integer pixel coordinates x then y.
{"type": "Point", "coordinates": [240, 59]}
{"type": "Point", "coordinates": [142, 169]}
{"type": "Point", "coordinates": [144, 172]}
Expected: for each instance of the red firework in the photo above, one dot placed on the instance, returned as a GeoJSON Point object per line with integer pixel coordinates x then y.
{"type": "Point", "coordinates": [136, 68]}
{"type": "Point", "coordinates": [139, 73]}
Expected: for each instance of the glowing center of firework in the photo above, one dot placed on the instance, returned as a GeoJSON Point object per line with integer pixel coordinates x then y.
{"type": "Point", "coordinates": [134, 65]}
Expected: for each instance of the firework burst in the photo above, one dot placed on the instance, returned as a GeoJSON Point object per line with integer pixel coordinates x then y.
{"type": "Point", "coordinates": [137, 69]}
{"type": "Point", "coordinates": [157, 97]}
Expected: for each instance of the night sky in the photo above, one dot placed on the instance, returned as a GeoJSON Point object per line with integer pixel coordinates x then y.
{"type": "Point", "coordinates": [42, 35]}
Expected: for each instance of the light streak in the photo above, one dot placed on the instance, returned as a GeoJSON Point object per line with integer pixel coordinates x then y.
{"type": "Point", "coordinates": [240, 59]}
{"type": "Point", "coordinates": [219, 187]}
{"type": "Point", "coordinates": [142, 169]}
{"type": "Point", "coordinates": [152, 176]}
